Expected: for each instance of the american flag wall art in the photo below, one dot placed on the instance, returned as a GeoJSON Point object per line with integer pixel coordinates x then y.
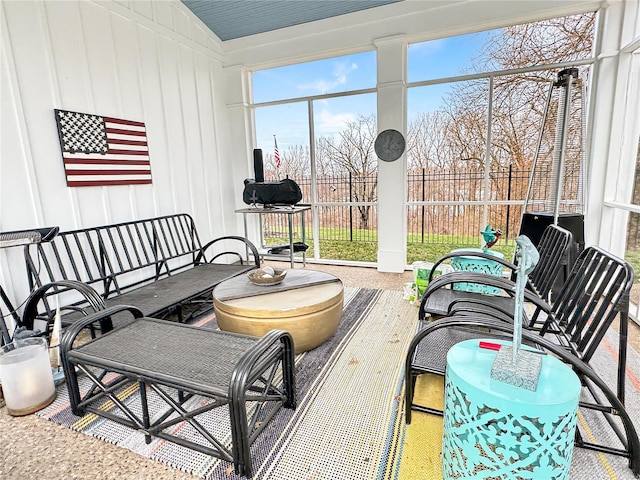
{"type": "Point", "coordinates": [99, 150]}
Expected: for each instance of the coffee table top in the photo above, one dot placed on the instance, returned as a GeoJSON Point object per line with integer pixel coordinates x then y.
{"type": "Point", "coordinates": [241, 287]}
{"type": "Point", "coordinates": [173, 353]}
{"type": "Point", "coordinates": [301, 292]}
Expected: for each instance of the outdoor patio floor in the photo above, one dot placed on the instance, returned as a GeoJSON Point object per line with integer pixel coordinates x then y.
{"type": "Point", "coordinates": [34, 448]}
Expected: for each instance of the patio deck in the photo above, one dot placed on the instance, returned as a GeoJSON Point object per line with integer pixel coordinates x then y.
{"type": "Point", "coordinates": [33, 448]}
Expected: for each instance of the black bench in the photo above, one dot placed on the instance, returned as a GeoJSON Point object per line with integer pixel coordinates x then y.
{"type": "Point", "coordinates": [157, 264]}
{"type": "Point", "coordinates": [248, 376]}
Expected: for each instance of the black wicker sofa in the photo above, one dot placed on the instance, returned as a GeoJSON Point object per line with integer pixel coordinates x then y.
{"type": "Point", "coordinates": [156, 264]}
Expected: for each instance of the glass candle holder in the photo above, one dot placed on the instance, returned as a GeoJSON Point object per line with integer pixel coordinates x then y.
{"type": "Point", "coordinates": [25, 373]}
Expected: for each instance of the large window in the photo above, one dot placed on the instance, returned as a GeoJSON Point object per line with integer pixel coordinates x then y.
{"type": "Point", "coordinates": [632, 251]}
{"type": "Point", "coordinates": [475, 111]}
{"type": "Point", "coordinates": [632, 254]}
{"type": "Point", "coordinates": [477, 119]}
{"type": "Point", "coordinates": [322, 117]}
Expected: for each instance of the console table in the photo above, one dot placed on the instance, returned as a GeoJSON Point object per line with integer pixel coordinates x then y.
{"type": "Point", "coordinates": [282, 210]}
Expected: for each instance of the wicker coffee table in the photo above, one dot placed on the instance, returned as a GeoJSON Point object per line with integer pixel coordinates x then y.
{"type": "Point", "coordinates": [307, 304]}
{"type": "Point", "coordinates": [248, 377]}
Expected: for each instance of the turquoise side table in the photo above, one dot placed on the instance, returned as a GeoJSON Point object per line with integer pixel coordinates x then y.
{"type": "Point", "coordinates": [495, 430]}
{"type": "Point", "coordinates": [470, 263]}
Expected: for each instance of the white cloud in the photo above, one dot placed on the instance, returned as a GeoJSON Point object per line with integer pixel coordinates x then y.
{"type": "Point", "coordinates": [340, 76]}
{"type": "Point", "coordinates": [329, 124]}
{"type": "Point", "coordinates": [319, 86]}
{"type": "Point", "coordinates": [429, 47]}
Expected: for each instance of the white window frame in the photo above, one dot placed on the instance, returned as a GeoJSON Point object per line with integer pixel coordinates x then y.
{"type": "Point", "coordinates": [618, 201]}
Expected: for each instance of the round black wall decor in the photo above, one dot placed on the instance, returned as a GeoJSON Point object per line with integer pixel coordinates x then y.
{"type": "Point", "coordinates": [389, 145]}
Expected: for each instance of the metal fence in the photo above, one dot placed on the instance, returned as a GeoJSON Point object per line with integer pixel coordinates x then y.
{"type": "Point", "coordinates": [444, 206]}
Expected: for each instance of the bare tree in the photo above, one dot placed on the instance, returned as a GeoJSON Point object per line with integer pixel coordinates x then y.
{"type": "Point", "coordinates": [454, 137]}
{"type": "Point", "coordinates": [518, 100]}
{"type": "Point", "coordinates": [427, 145]}
{"type": "Point", "coordinates": [351, 153]}
{"type": "Point", "coordinates": [548, 41]}
{"type": "Point", "coordinates": [294, 163]}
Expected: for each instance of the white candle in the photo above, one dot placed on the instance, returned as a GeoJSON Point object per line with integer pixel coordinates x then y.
{"type": "Point", "coordinates": [26, 376]}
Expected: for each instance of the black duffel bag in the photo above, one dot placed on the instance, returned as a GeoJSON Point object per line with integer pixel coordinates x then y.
{"type": "Point", "coordinates": [280, 192]}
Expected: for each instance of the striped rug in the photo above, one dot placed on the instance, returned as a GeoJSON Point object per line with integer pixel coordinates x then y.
{"type": "Point", "coordinates": [348, 423]}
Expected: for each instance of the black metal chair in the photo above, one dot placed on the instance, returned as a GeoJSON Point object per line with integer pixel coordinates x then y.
{"type": "Point", "coordinates": [553, 247]}
{"type": "Point", "coordinates": [427, 354]}
{"type": "Point", "coordinates": [15, 239]}
{"type": "Point", "coordinates": [5, 337]}
{"type": "Point", "coordinates": [594, 294]}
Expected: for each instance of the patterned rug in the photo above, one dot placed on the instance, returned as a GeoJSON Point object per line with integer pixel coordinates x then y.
{"type": "Point", "coordinates": [422, 442]}
{"type": "Point", "coordinates": [348, 423]}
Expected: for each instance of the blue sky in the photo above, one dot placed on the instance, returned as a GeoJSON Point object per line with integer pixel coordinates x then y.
{"type": "Point", "coordinates": [428, 60]}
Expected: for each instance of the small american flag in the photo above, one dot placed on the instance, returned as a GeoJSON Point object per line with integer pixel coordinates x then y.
{"type": "Point", "coordinates": [276, 153]}
{"type": "Point", "coordinates": [100, 150]}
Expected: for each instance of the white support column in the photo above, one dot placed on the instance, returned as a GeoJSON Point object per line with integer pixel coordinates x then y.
{"type": "Point", "coordinates": [392, 176]}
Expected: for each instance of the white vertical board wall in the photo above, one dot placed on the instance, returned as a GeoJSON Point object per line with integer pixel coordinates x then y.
{"type": "Point", "coordinates": [146, 61]}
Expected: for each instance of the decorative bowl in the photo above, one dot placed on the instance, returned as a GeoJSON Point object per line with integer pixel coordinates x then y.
{"type": "Point", "coordinates": [265, 278]}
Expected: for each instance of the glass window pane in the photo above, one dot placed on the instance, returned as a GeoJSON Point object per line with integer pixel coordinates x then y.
{"type": "Point", "coordinates": [338, 74]}
{"type": "Point", "coordinates": [447, 140]}
{"type": "Point", "coordinates": [444, 57]}
{"type": "Point", "coordinates": [632, 254]}
{"type": "Point", "coordinates": [288, 125]}
{"type": "Point", "coordinates": [345, 131]}
{"type": "Point", "coordinates": [548, 41]}
{"type": "Point", "coordinates": [348, 232]}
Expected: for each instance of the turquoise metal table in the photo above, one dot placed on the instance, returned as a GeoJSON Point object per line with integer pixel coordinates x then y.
{"type": "Point", "coordinates": [495, 430]}
{"type": "Point", "coordinates": [470, 263]}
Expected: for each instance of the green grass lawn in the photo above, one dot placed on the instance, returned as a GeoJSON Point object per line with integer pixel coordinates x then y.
{"type": "Point", "coordinates": [633, 257]}
{"type": "Point", "coordinates": [366, 251]}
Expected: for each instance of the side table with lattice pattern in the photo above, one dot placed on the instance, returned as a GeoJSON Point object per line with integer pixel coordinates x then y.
{"type": "Point", "coordinates": [496, 430]}
{"type": "Point", "coordinates": [471, 263]}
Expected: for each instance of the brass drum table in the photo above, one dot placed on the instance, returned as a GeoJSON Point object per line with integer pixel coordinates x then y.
{"type": "Point", "coordinates": [307, 304]}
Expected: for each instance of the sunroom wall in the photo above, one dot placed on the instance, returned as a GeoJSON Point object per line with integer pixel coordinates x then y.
{"type": "Point", "coordinates": [153, 62]}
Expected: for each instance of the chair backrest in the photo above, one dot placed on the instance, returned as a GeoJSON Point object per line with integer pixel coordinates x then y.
{"type": "Point", "coordinates": [595, 292]}
{"type": "Point", "coordinates": [553, 247]}
{"type": "Point", "coordinates": [6, 311]}
{"type": "Point", "coordinates": [116, 257]}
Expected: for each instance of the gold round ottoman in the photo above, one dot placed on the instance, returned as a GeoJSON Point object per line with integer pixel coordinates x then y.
{"type": "Point", "coordinates": [307, 304]}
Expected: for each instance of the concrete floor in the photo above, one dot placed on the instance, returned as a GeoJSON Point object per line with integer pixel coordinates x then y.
{"type": "Point", "coordinates": [32, 448]}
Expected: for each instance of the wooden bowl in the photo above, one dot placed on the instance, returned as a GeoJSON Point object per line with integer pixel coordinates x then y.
{"type": "Point", "coordinates": [257, 277]}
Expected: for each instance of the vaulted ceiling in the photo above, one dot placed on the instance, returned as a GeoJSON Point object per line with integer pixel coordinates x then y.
{"type": "Point", "coordinates": [230, 19]}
